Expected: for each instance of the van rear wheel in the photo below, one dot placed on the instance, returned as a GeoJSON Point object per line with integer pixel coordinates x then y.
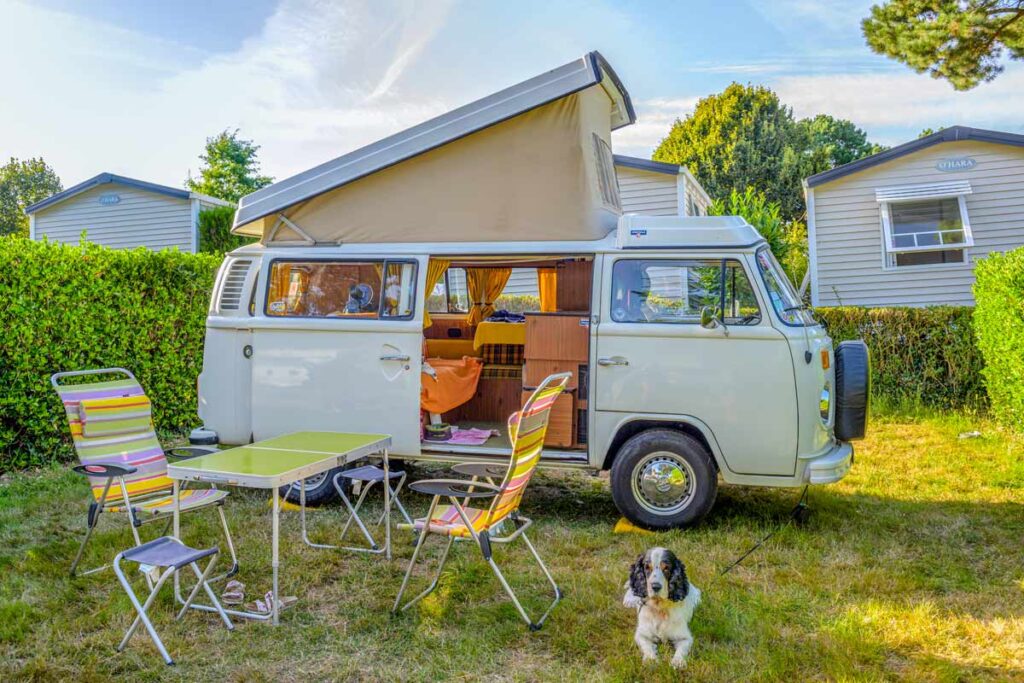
{"type": "Point", "coordinates": [663, 479]}
{"type": "Point", "coordinates": [319, 489]}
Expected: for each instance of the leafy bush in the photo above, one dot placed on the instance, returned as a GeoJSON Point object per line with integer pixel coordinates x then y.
{"type": "Point", "coordinates": [215, 231]}
{"type": "Point", "coordinates": [517, 303]}
{"type": "Point", "coordinates": [787, 240]}
{"type": "Point", "coordinates": [75, 308]}
{"type": "Point", "coordinates": [999, 328]}
{"type": "Point", "coordinates": [919, 356]}
{"type": "Point", "coordinates": [514, 303]}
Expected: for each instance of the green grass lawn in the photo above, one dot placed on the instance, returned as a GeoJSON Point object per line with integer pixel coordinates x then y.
{"type": "Point", "coordinates": [909, 569]}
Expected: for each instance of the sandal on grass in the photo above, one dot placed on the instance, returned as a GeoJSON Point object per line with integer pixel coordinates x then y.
{"type": "Point", "coordinates": [266, 605]}
{"type": "Point", "coordinates": [234, 593]}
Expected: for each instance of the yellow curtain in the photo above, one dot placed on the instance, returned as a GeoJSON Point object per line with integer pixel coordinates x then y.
{"type": "Point", "coordinates": [484, 285]}
{"type": "Point", "coordinates": [547, 284]}
{"type": "Point", "coordinates": [435, 271]}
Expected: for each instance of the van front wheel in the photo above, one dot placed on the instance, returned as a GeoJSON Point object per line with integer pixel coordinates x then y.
{"type": "Point", "coordinates": [663, 479]}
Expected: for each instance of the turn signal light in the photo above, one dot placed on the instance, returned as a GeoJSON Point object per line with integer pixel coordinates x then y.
{"type": "Point", "coordinates": [824, 359]}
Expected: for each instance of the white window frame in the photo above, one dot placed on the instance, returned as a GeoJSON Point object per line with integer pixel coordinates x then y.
{"type": "Point", "coordinates": [889, 251]}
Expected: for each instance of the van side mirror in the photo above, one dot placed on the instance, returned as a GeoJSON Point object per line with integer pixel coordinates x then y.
{"type": "Point", "coordinates": [710, 320]}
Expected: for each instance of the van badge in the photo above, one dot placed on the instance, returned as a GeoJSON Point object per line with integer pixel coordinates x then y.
{"type": "Point", "coordinates": [637, 233]}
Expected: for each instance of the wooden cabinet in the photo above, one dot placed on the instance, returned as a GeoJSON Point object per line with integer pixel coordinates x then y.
{"type": "Point", "coordinates": [557, 336]}
{"type": "Point", "coordinates": [535, 371]}
{"type": "Point", "coordinates": [562, 421]}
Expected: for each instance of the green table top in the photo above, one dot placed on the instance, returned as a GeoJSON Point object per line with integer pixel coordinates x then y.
{"type": "Point", "coordinates": [280, 460]}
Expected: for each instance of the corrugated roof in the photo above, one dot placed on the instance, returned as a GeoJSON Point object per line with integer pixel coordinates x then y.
{"type": "Point", "coordinates": [589, 70]}
{"type": "Point", "coordinates": [951, 134]}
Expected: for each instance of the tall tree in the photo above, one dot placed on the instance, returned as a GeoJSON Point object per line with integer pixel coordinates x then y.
{"type": "Point", "coordinates": [962, 41]}
{"type": "Point", "coordinates": [230, 168]}
{"type": "Point", "coordinates": [736, 139]}
{"type": "Point", "coordinates": [745, 137]}
{"type": "Point", "coordinates": [23, 183]}
{"type": "Point", "coordinates": [834, 142]}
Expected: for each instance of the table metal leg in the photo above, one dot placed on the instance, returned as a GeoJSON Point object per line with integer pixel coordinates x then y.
{"type": "Point", "coordinates": [387, 508]}
{"type": "Point", "coordinates": [275, 536]}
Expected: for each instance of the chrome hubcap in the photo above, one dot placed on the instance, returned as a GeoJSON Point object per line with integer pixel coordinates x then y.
{"type": "Point", "coordinates": [663, 483]}
{"type": "Point", "coordinates": [311, 482]}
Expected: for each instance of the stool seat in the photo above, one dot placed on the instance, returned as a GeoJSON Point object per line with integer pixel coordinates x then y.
{"type": "Point", "coordinates": [369, 473]}
{"type": "Point", "coordinates": [167, 552]}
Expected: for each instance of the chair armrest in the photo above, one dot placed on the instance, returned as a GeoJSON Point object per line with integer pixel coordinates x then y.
{"type": "Point", "coordinates": [481, 469]}
{"type": "Point", "coordinates": [458, 488]}
{"type": "Point", "coordinates": [102, 469]}
{"type": "Point", "coordinates": [188, 452]}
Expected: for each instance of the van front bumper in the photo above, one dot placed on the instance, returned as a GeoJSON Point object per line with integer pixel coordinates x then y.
{"type": "Point", "coordinates": [831, 466]}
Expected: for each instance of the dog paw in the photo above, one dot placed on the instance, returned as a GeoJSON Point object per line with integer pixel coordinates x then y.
{"type": "Point", "coordinates": [678, 663]}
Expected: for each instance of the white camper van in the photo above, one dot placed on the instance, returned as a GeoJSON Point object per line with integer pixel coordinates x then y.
{"type": "Point", "coordinates": [368, 304]}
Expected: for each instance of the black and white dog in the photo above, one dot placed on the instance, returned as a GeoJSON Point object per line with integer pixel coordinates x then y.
{"type": "Point", "coordinates": [664, 600]}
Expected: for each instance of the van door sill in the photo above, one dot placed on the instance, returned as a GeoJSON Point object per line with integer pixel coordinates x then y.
{"type": "Point", "coordinates": [548, 454]}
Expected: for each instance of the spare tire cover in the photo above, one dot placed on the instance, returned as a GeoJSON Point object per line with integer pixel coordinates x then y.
{"type": "Point", "coordinates": [853, 389]}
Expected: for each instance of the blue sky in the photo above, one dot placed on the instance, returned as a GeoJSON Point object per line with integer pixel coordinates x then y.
{"type": "Point", "coordinates": [136, 87]}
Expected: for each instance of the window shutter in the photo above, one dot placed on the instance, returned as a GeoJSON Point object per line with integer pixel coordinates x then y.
{"type": "Point", "coordinates": [949, 188]}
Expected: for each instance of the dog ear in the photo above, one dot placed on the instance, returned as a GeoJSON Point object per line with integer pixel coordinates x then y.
{"type": "Point", "coordinates": [638, 578]}
{"type": "Point", "coordinates": [678, 586]}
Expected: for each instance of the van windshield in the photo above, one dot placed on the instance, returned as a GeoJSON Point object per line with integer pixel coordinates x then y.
{"type": "Point", "coordinates": [784, 298]}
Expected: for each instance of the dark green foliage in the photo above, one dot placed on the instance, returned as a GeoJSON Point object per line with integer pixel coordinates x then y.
{"type": "Point", "coordinates": [215, 231]}
{"type": "Point", "coordinates": [962, 41]}
{"type": "Point", "coordinates": [74, 308]}
{"type": "Point", "coordinates": [745, 137]}
{"type": "Point", "coordinates": [230, 169]}
{"type": "Point", "coordinates": [919, 356]}
{"type": "Point", "coordinates": [999, 328]}
{"type": "Point", "coordinates": [23, 183]}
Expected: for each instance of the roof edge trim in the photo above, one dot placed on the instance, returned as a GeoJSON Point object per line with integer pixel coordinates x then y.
{"type": "Point", "coordinates": [951, 134]}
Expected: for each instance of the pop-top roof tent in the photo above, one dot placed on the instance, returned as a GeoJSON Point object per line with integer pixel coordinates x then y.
{"type": "Point", "coordinates": [531, 162]}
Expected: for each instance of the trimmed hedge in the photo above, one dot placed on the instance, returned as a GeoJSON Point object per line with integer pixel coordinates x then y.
{"type": "Point", "coordinates": [999, 327]}
{"type": "Point", "coordinates": [79, 307]}
{"type": "Point", "coordinates": [919, 356]}
{"type": "Point", "coordinates": [215, 231]}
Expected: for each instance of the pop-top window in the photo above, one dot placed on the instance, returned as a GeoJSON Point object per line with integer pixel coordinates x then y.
{"type": "Point", "coordinates": [342, 289]}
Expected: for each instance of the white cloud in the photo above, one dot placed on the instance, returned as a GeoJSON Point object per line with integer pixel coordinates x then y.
{"type": "Point", "coordinates": [320, 78]}
{"type": "Point", "coordinates": [654, 119]}
{"type": "Point", "coordinates": [904, 99]}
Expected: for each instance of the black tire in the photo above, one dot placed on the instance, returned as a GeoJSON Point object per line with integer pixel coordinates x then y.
{"type": "Point", "coordinates": [319, 490]}
{"type": "Point", "coordinates": [853, 390]}
{"type": "Point", "coordinates": [663, 453]}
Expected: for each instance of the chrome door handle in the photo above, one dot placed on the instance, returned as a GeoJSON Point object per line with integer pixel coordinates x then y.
{"type": "Point", "coordinates": [399, 358]}
{"type": "Point", "coordinates": [614, 360]}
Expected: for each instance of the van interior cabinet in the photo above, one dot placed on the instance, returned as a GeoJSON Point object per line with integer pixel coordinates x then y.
{"type": "Point", "coordinates": [557, 336]}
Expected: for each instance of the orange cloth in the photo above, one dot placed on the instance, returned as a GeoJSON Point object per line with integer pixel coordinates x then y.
{"type": "Point", "coordinates": [455, 383]}
{"type": "Point", "coordinates": [547, 284]}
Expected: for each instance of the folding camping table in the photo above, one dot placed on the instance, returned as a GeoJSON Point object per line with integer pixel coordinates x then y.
{"type": "Point", "coordinates": [274, 463]}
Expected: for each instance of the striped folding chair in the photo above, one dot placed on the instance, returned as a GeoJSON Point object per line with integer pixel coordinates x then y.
{"type": "Point", "coordinates": [484, 526]}
{"type": "Point", "coordinates": [112, 428]}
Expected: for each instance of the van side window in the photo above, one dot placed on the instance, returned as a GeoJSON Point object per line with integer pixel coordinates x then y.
{"type": "Point", "coordinates": [342, 289]}
{"type": "Point", "coordinates": [661, 291]}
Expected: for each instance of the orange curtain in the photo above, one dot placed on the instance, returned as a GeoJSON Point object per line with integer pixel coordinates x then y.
{"type": "Point", "coordinates": [547, 284]}
{"type": "Point", "coordinates": [435, 271]}
{"type": "Point", "coordinates": [484, 285]}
